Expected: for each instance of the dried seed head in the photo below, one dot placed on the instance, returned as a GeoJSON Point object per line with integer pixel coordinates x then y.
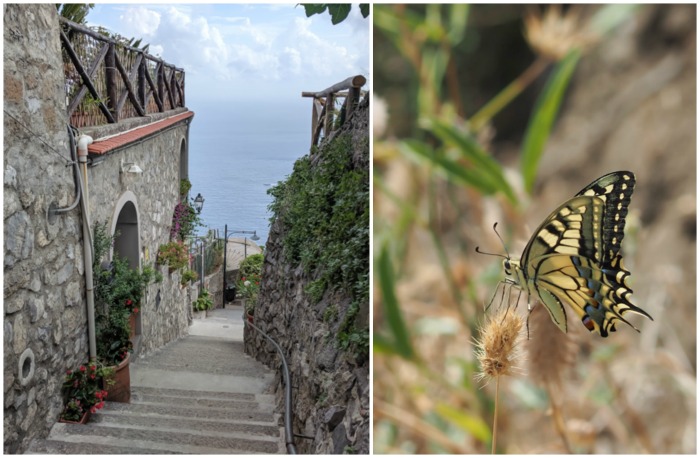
{"type": "Point", "coordinates": [496, 349]}
{"type": "Point", "coordinates": [550, 351]}
{"type": "Point", "coordinates": [553, 34]}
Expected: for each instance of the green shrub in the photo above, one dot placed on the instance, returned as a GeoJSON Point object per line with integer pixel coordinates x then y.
{"type": "Point", "coordinates": [324, 213]}
{"type": "Point", "coordinates": [188, 276]}
{"type": "Point", "coordinates": [252, 265]}
{"type": "Point", "coordinates": [174, 255]}
{"type": "Point", "coordinates": [203, 302]}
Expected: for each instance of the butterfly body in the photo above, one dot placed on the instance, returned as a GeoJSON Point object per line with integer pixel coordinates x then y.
{"type": "Point", "coordinates": [574, 257]}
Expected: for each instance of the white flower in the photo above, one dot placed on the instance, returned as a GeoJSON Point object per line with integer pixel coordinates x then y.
{"type": "Point", "coordinates": [246, 283]}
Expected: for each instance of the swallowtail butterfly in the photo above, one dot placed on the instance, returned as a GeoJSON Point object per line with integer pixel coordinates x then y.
{"type": "Point", "coordinates": [574, 257]}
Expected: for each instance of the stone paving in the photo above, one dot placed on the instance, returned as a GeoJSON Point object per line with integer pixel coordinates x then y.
{"type": "Point", "coordinates": [198, 395]}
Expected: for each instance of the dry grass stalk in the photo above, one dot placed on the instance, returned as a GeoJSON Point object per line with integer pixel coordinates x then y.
{"type": "Point", "coordinates": [497, 353]}
{"type": "Point", "coordinates": [497, 348]}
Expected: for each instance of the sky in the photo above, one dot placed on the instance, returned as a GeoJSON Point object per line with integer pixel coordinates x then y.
{"type": "Point", "coordinates": [249, 51]}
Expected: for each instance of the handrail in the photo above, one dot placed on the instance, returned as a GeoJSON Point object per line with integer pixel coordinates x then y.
{"type": "Point", "coordinates": [322, 112]}
{"type": "Point", "coordinates": [288, 434]}
{"type": "Point", "coordinates": [108, 80]}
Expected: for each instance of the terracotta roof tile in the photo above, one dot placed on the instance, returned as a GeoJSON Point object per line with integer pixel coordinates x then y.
{"type": "Point", "coordinates": [117, 141]}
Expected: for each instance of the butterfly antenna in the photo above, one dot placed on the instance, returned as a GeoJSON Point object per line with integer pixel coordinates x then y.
{"type": "Point", "coordinates": [502, 243]}
{"type": "Point", "coordinates": [501, 239]}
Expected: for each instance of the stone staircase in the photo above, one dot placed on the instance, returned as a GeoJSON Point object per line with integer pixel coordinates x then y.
{"type": "Point", "coordinates": [198, 395]}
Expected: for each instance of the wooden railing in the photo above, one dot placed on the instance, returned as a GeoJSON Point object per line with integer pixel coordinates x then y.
{"type": "Point", "coordinates": [323, 116]}
{"type": "Point", "coordinates": [107, 81]}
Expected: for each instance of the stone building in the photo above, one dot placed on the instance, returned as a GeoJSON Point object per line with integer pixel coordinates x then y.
{"type": "Point", "coordinates": [133, 175]}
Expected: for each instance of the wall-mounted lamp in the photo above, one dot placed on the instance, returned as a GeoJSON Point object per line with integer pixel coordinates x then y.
{"type": "Point", "coordinates": [130, 167]}
{"type": "Point", "coordinates": [198, 203]}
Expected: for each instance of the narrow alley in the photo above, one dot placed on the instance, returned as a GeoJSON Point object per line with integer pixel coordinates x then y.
{"type": "Point", "coordinates": [198, 395]}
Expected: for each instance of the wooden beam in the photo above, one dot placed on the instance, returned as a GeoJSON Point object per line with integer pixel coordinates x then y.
{"type": "Point", "coordinates": [129, 88]}
{"type": "Point", "coordinates": [90, 73]}
{"type": "Point", "coordinates": [354, 81]}
{"type": "Point", "coordinates": [86, 79]}
{"type": "Point", "coordinates": [154, 88]}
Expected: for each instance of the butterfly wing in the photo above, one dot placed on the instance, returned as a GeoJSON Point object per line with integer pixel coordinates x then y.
{"type": "Point", "coordinates": [574, 256]}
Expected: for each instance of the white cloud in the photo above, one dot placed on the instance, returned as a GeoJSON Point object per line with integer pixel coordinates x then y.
{"type": "Point", "coordinates": [140, 22]}
{"type": "Point", "coordinates": [251, 50]}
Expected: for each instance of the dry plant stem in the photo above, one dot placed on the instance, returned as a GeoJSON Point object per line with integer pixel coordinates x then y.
{"type": "Point", "coordinates": [417, 425]}
{"type": "Point", "coordinates": [558, 419]}
{"type": "Point", "coordinates": [510, 92]}
{"type": "Point", "coordinates": [494, 434]}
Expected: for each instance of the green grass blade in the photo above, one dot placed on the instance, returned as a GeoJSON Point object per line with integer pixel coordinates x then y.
{"type": "Point", "coordinates": [543, 116]}
{"type": "Point", "coordinates": [486, 165]}
{"type": "Point", "coordinates": [472, 424]}
{"type": "Point", "coordinates": [449, 168]}
{"type": "Point", "coordinates": [390, 306]}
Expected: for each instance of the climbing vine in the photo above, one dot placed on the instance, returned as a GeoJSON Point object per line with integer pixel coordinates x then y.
{"type": "Point", "coordinates": [324, 211]}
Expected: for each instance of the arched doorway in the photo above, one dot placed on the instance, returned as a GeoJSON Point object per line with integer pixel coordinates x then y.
{"type": "Point", "coordinates": [127, 245]}
{"type": "Point", "coordinates": [126, 230]}
{"type": "Point", "coordinates": [184, 161]}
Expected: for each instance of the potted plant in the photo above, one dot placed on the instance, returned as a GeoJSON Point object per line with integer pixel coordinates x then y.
{"type": "Point", "coordinates": [249, 287]}
{"type": "Point", "coordinates": [113, 347]}
{"type": "Point", "coordinates": [83, 392]}
{"type": "Point", "coordinates": [174, 255]}
{"type": "Point", "coordinates": [188, 275]}
{"type": "Point", "coordinates": [203, 302]}
{"type": "Point", "coordinates": [118, 295]}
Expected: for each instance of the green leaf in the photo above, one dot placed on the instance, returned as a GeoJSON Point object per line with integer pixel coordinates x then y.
{"type": "Point", "coordinates": [457, 26]}
{"type": "Point", "coordinates": [469, 423]}
{"type": "Point", "coordinates": [449, 167]}
{"type": "Point", "coordinates": [364, 9]}
{"type": "Point", "coordinates": [314, 8]}
{"type": "Point", "coordinates": [486, 165]}
{"type": "Point", "coordinates": [390, 306]}
{"type": "Point", "coordinates": [542, 118]}
{"type": "Point", "coordinates": [339, 12]}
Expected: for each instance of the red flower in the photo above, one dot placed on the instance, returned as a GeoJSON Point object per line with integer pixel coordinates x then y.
{"type": "Point", "coordinates": [243, 279]}
{"type": "Point", "coordinates": [93, 409]}
{"type": "Point", "coordinates": [92, 376]}
{"type": "Point", "coordinates": [136, 310]}
{"type": "Point", "coordinates": [93, 368]}
{"type": "Point", "coordinates": [68, 372]}
{"type": "Point", "coordinates": [83, 368]}
{"type": "Point", "coordinates": [128, 302]}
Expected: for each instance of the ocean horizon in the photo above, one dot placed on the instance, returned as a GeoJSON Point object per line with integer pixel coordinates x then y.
{"type": "Point", "coordinates": [237, 152]}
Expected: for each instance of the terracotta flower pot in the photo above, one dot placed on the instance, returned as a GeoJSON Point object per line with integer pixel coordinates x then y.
{"type": "Point", "coordinates": [132, 325]}
{"type": "Point", "coordinates": [84, 419]}
{"type": "Point", "coordinates": [120, 390]}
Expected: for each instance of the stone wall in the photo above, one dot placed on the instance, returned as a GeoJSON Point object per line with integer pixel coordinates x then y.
{"type": "Point", "coordinates": [45, 328]}
{"type": "Point", "coordinates": [45, 323]}
{"type": "Point", "coordinates": [331, 386]}
{"type": "Point", "coordinates": [147, 200]}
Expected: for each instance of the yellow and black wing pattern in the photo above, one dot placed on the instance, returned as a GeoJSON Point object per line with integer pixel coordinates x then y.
{"type": "Point", "coordinates": [574, 256]}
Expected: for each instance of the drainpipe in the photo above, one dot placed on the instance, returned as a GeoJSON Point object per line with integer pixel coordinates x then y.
{"type": "Point", "coordinates": [83, 142]}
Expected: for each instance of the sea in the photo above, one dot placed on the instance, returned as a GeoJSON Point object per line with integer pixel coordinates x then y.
{"type": "Point", "coordinates": [237, 152]}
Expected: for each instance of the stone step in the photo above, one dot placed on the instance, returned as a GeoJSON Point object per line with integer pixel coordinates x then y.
{"type": "Point", "coordinates": [94, 438]}
{"type": "Point", "coordinates": [145, 428]}
{"type": "Point", "coordinates": [230, 401]}
{"type": "Point", "coordinates": [249, 427]}
{"type": "Point", "coordinates": [197, 395]}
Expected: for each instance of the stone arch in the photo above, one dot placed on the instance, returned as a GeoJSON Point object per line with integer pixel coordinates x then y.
{"type": "Point", "coordinates": [184, 159]}
{"type": "Point", "coordinates": [125, 227]}
{"type": "Point", "coordinates": [126, 224]}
